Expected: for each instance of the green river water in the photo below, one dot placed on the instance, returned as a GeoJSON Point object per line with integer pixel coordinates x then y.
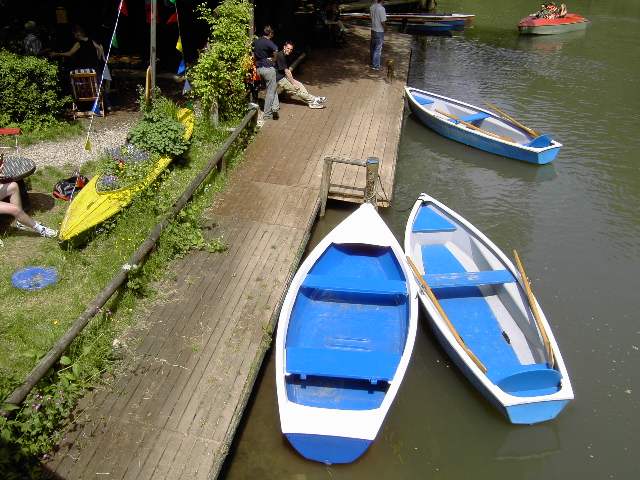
{"type": "Point", "coordinates": [576, 226]}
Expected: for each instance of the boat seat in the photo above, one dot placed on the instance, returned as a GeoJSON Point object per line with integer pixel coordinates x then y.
{"type": "Point", "coordinates": [342, 363]}
{"type": "Point", "coordinates": [541, 141]}
{"type": "Point", "coordinates": [429, 220]}
{"type": "Point", "coordinates": [422, 100]}
{"type": "Point", "coordinates": [469, 279]}
{"type": "Point", "coordinates": [474, 117]}
{"type": "Point", "coordinates": [527, 380]}
{"type": "Point", "coordinates": [362, 285]}
{"type": "Point", "coordinates": [469, 312]}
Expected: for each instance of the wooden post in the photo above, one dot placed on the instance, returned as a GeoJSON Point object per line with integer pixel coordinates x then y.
{"type": "Point", "coordinates": [152, 52]}
{"type": "Point", "coordinates": [372, 176]}
{"type": "Point", "coordinates": [324, 186]}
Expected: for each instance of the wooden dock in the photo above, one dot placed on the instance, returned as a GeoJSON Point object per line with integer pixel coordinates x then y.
{"type": "Point", "coordinates": [199, 352]}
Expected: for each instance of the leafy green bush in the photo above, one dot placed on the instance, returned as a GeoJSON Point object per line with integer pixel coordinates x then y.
{"type": "Point", "coordinates": [159, 132]}
{"type": "Point", "coordinates": [218, 77]}
{"type": "Point", "coordinates": [29, 91]}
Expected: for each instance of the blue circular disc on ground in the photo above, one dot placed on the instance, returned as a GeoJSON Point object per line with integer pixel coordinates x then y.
{"type": "Point", "coordinates": [34, 278]}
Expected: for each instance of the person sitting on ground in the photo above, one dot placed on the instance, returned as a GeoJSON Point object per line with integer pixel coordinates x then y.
{"type": "Point", "coordinates": [14, 208]}
{"type": "Point", "coordinates": [291, 85]}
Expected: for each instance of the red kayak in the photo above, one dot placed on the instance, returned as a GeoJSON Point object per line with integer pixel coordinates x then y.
{"type": "Point", "coordinates": [549, 26]}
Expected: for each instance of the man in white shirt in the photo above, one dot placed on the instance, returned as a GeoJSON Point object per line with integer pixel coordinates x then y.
{"type": "Point", "coordinates": [378, 18]}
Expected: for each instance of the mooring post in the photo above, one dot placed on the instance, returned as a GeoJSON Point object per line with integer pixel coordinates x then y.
{"type": "Point", "coordinates": [324, 186]}
{"type": "Point", "coordinates": [372, 175]}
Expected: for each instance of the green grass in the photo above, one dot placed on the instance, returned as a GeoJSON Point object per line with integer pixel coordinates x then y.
{"type": "Point", "coordinates": [31, 322]}
{"type": "Point", "coordinates": [54, 132]}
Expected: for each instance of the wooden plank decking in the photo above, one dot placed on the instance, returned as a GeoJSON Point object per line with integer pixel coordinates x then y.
{"type": "Point", "coordinates": [175, 414]}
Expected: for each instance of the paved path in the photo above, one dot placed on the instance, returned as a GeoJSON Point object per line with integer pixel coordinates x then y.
{"type": "Point", "coordinates": [176, 414]}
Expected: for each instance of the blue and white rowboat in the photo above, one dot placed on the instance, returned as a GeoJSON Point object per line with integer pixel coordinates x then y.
{"type": "Point", "coordinates": [480, 128]}
{"type": "Point", "coordinates": [345, 336]}
{"type": "Point", "coordinates": [482, 314]}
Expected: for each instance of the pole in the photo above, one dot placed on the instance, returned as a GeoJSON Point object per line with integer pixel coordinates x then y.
{"type": "Point", "coordinates": [152, 53]}
{"type": "Point", "coordinates": [372, 175]}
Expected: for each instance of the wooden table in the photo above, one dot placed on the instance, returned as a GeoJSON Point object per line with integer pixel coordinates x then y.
{"type": "Point", "coordinates": [16, 169]}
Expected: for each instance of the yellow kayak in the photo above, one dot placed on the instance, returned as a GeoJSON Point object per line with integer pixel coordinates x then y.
{"type": "Point", "coordinates": [91, 207]}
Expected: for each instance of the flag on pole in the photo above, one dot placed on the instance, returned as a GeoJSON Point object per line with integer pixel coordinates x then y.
{"type": "Point", "coordinates": [182, 67]}
{"type": "Point", "coordinates": [87, 145]}
{"type": "Point", "coordinates": [173, 18]}
{"type": "Point", "coordinates": [123, 8]}
{"type": "Point", "coordinates": [179, 44]}
{"type": "Point", "coordinates": [114, 41]}
{"type": "Point", "coordinates": [186, 87]}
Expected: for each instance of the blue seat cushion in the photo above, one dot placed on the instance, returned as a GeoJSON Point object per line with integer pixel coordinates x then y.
{"type": "Point", "coordinates": [469, 279]}
{"type": "Point", "coordinates": [474, 117]}
{"type": "Point", "coordinates": [342, 363]}
{"type": "Point", "coordinates": [364, 285]}
{"type": "Point", "coordinates": [422, 100]}
{"type": "Point", "coordinates": [429, 221]}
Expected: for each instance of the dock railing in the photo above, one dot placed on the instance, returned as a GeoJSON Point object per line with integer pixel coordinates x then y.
{"type": "Point", "coordinates": [371, 164]}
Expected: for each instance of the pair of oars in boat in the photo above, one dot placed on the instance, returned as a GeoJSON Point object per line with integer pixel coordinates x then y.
{"type": "Point", "coordinates": [503, 114]}
{"type": "Point", "coordinates": [532, 303]}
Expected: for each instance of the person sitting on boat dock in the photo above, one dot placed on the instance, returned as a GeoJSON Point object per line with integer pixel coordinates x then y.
{"type": "Point", "coordinates": [289, 84]}
{"type": "Point", "coordinates": [14, 208]}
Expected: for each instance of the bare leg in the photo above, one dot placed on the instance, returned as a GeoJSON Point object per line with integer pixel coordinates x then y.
{"type": "Point", "coordinates": [14, 207]}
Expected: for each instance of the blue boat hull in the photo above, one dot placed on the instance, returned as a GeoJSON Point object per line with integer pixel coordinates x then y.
{"type": "Point", "coordinates": [449, 130]}
{"type": "Point", "coordinates": [327, 449]}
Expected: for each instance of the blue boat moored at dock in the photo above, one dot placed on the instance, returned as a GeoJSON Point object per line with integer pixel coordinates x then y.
{"type": "Point", "coordinates": [483, 313]}
{"type": "Point", "coordinates": [480, 128]}
{"type": "Point", "coordinates": [345, 335]}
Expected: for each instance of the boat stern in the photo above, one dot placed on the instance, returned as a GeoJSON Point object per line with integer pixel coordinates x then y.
{"type": "Point", "coordinates": [328, 449]}
{"type": "Point", "coordinates": [536, 412]}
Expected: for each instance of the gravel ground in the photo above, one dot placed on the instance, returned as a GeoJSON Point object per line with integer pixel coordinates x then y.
{"type": "Point", "coordinates": [109, 131]}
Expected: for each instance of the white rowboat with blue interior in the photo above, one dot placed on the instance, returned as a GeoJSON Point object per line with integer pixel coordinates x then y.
{"type": "Point", "coordinates": [485, 316]}
{"type": "Point", "coordinates": [345, 335]}
{"type": "Point", "coordinates": [480, 128]}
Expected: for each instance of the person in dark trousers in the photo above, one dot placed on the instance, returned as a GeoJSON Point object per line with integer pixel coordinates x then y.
{"type": "Point", "coordinates": [378, 19]}
{"type": "Point", "coordinates": [291, 85]}
{"type": "Point", "coordinates": [264, 50]}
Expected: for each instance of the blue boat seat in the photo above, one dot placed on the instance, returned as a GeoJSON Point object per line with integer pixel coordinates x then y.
{"type": "Point", "coordinates": [422, 100]}
{"type": "Point", "coordinates": [474, 117]}
{"type": "Point", "coordinates": [363, 285]}
{"type": "Point", "coordinates": [342, 363]}
{"type": "Point", "coordinates": [469, 279]}
{"type": "Point", "coordinates": [430, 221]}
{"type": "Point", "coordinates": [540, 142]}
{"type": "Point", "coordinates": [527, 380]}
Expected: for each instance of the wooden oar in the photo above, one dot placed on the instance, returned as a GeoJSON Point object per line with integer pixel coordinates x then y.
{"type": "Point", "coordinates": [504, 114]}
{"type": "Point", "coordinates": [534, 308]}
{"type": "Point", "coordinates": [472, 126]}
{"type": "Point", "coordinates": [444, 316]}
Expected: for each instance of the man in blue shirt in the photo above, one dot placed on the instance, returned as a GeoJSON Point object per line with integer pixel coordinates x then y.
{"type": "Point", "coordinates": [378, 18]}
{"type": "Point", "coordinates": [263, 51]}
